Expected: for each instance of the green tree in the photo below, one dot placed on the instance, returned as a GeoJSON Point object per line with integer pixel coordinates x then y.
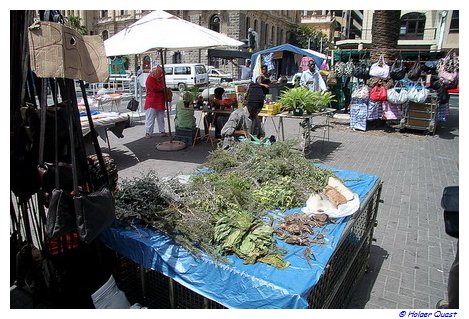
{"type": "Point", "coordinates": [74, 22]}
{"type": "Point", "coordinates": [306, 36]}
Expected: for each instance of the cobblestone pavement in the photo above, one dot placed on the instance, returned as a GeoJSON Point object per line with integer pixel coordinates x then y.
{"type": "Point", "coordinates": [411, 255]}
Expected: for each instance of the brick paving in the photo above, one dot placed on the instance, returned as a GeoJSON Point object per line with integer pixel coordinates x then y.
{"type": "Point", "coordinates": [411, 255]}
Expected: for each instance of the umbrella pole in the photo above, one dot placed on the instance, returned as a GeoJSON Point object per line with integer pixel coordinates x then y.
{"type": "Point", "coordinates": [164, 96]}
{"type": "Point", "coordinates": [168, 145]}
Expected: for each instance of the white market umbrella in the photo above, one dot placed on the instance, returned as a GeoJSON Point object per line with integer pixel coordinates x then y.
{"type": "Point", "coordinates": [162, 30]}
{"type": "Point", "coordinates": [159, 31]}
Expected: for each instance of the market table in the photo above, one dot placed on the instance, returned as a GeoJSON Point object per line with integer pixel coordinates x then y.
{"type": "Point", "coordinates": [104, 121]}
{"type": "Point", "coordinates": [156, 270]}
{"type": "Point", "coordinates": [203, 117]}
{"type": "Point", "coordinates": [308, 125]}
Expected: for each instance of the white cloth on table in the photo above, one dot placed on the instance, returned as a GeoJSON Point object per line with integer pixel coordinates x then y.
{"type": "Point", "coordinates": [103, 119]}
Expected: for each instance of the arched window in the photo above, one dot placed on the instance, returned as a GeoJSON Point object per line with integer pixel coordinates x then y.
{"type": "Point", "coordinates": [412, 26]}
{"type": "Point", "coordinates": [177, 57]}
{"type": "Point", "coordinates": [104, 13]}
{"type": "Point", "coordinates": [105, 35]}
{"type": "Point", "coordinates": [281, 37]}
{"type": "Point", "coordinates": [214, 23]}
{"type": "Point", "coordinates": [266, 33]}
{"type": "Point", "coordinates": [255, 25]}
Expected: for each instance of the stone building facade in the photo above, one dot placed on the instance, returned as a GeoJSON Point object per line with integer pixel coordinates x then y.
{"type": "Point", "coordinates": [273, 28]}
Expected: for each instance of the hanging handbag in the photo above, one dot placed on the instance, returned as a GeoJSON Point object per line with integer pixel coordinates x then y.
{"type": "Point", "coordinates": [349, 66]}
{"type": "Point", "coordinates": [418, 93]}
{"type": "Point", "coordinates": [95, 211]}
{"type": "Point", "coordinates": [331, 79]}
{"type": "Point", "coordinates": [447, 73]}
{"type": "Point", "coordinates": [132, 105]}
{"type": "Point", "coordinates": [361, 92]}
{"type": "Point", "coordinates": [339, 68]}
{"type": "Point", "coordinates": [60, 218]}
{"type": "Point", "coordinates": [415, 71]}
{"type": "Point", "coordinates": [378, 93]}
{"type": "Point", "coordinates": [362, 70]}
{"type": "Point", "coordinates": [398, 95]}
{"type": "Point", "coordinates": [397, 71]}
{"type": "Point", "coordinates": [380, 69]}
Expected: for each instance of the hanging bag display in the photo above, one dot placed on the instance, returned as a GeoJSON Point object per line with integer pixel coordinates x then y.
{"type": "Point", "coordinates": [95, 211]}
{"type": "Point", "coordinates": [415, 71]}
{"type": "Point", "coordinates": [379, 69]}
{"type": "Point", "coordinates": [378, 93]}
{"type": "Point", "coordinates": [418, 93]}
{"type": "Point", "coordinates": [331, 79]}
{"type": "Point", "coordinates": [397, 71]}
{"type": "Point", "coordinates": [398, 94]}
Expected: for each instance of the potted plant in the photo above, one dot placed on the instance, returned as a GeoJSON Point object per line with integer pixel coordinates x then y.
{"type": "Point", "coordinates": [295, 100]}
{"type": "Point", "coordinates": [319, 101]}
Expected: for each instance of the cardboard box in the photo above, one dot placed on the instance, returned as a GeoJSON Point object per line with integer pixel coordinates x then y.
{"type": "Point", "coordinates": [58, 51]}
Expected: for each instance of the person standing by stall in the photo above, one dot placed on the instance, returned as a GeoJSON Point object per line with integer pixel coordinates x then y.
{"type": "Point", "coordinates": [155, 102]}
{"type": "Point", "coordinates": [312, 79]}
{"type": "Point", "coordinates": [246, 72]}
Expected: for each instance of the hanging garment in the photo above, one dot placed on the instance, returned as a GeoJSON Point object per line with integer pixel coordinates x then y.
{"type": "Point", "coordinates": [268, 61]}
{"type": "Point", "coordinates": [358, 113]}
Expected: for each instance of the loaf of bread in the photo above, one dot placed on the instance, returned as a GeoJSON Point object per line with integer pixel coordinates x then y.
{"type": "Point", "coordinates": [340, 187]}
{"type": "Point", "coordinates": [334, 196]}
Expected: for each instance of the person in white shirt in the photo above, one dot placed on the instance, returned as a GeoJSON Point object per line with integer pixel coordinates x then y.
{"type": "Point", "coordinates": [246, 72]}
{"type": "Point", "coordinates": [312, 79]}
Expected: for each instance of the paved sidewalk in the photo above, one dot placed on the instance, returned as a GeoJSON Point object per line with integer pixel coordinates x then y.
{"type": "Point", "coordinates": [411, 257]}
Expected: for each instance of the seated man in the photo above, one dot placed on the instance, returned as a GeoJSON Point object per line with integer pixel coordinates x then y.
{"type": "Point", "coordinates": [185, 112]}
{"type": "Point", "coordinates": [215, 119]}
{"type": "Point", "coordinates": [246, 120]}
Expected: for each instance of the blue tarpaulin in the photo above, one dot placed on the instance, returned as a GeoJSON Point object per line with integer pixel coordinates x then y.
{"type": "Point", "coordinates": [236, 285]}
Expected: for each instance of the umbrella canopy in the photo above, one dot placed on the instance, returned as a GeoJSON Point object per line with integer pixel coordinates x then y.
{"type": "Point", "coordinates": [162, 30]}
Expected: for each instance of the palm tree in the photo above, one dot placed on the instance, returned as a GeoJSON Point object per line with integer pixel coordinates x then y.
{"type": "Point", "coordinates": [385, 33]}
{"type": "Point", "coordinates": [74, 22]}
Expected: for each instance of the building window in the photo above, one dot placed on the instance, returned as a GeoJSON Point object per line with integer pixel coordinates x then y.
{"type": "Point", "coordinates": [272, 36]}
{"type": "Point", "coordinates": [105, 35]}
{"type": "Point", "coordinates": [454, 26]}
{"type": "Point", "coordinates": [214, 23]}
{"type": "Point", "coordinates": [124, 12]}
{"type": "Point", "coordinates": [248, 25]}
{"type": "Point", "coordinates": [177, 57]}
{"type": "Point", "coordinates": [255, 25]}
{"type": "Point", "coordinates": [266, 31]}
{"type": "Point", "coordinates": [412, 26]}
{"type": "Point", "coordinates": [104, 13]}
{"type": "Point", "coordinates": [281, 37]}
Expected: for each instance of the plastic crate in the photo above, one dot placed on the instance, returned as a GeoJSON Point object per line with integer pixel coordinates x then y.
{"type": "Point", "coordinates": [186, 135]}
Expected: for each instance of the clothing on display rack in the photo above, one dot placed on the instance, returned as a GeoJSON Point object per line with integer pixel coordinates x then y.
{"type": "Point", "coordinates": [358, 114]}
{"type": "Point", "coordinates": [375, 110]}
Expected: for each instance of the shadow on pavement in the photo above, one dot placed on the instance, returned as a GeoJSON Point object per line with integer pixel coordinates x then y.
{"type": "Point", "coordinates": [322, 150]}
{"type": "Point", "coordinates": [447, 130]}
{"type": "Point", "coordinates": [362, 292]}
{"type": "Point", "coordinates": [145, 149]}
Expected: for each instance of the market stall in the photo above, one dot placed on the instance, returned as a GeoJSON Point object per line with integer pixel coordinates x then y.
{"type": "Point", "coordinates": [155, 269]}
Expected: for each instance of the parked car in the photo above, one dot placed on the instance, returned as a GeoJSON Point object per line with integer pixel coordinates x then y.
{"type": "Point", "coordinates": [184, 76]}
{"type": "Point", "coordinates": [217, 76]}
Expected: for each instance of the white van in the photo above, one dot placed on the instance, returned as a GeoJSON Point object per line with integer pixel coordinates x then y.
{"type": "Point", "coordinates": [184, 76]}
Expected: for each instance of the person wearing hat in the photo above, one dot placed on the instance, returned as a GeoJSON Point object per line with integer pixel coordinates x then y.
{"type": "Point", "coordinates": [246, 120]}
{"type": "Point", "coordinates": [185, 112]}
